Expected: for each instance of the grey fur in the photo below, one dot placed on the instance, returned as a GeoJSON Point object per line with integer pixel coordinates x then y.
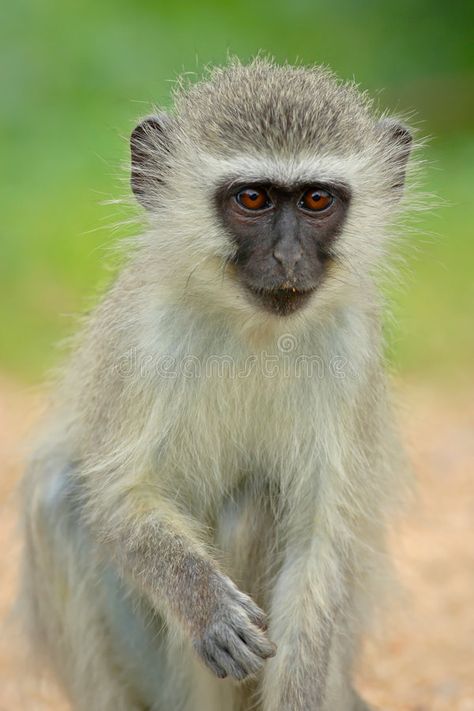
{"type": "Point", "coordinates": [163, 514]}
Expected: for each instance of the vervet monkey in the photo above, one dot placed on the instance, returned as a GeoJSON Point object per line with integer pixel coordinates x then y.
{"type": "Point", "coordinates": [206, 513]}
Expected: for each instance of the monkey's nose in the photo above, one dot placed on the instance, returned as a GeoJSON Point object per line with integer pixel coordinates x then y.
{"type": "Point", "coordinates": [288, 258]}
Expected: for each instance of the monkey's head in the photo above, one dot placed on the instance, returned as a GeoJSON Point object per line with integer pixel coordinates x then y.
{"type": "Point", "coordinates": [268, 188]}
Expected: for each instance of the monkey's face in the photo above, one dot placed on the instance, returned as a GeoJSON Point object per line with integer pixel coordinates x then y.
{"type": "Point", "coordinates": [269, 191]}
{"type": "Point", "coordinates": [284, 237]}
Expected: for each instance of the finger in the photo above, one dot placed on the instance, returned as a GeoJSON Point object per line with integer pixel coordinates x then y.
{"type": "Point", "coordinates": [255, 614]}
{"type": "Point", "coordinates": [232, 666]}
{"type": "Point", "coordinates": [241, 652]}
{"type": "Point", "coordinates": [210, 661]}
{"type": "Point", "coordinates": [257, 641]}
{"type": "Point", "coordinates": [214, 666]}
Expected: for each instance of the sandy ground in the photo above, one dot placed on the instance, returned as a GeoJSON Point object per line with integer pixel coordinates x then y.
{"type": "Point", "coordinates": [422, 657]}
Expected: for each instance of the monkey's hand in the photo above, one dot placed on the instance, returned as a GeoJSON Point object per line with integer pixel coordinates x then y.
{"type": "Point", "coordinates": [233, 642]}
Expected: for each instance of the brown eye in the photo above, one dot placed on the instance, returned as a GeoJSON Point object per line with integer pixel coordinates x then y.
{"type": "Point", "coordinates": [316, 200]}
{"type": "Point", "coordinates": [253, 198]}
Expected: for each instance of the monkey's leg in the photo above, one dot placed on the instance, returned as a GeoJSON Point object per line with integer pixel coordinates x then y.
{"type": "Point", "coordinates": [64, 600]}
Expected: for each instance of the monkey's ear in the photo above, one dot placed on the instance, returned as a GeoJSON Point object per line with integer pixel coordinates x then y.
{"type": "Point", "coordinates": [399, 140]}
{"type": "Point", "coordinates": [150, 148]}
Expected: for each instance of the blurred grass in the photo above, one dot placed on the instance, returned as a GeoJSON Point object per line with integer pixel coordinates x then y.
{"type": "Point", "coordinates": [74, 77]}
{"type": "Point", "coordinates": [433, 333]}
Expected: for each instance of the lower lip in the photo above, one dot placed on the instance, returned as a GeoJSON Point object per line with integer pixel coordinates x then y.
{"type": "Point", "coordinates": [281, 302]}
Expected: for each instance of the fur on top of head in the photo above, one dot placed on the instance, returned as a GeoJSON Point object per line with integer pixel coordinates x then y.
{"type": "Point", "coordinates": [266, 109]}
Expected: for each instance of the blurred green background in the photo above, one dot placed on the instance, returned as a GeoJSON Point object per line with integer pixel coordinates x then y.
{"type": "Point", "coordinates": [75, 75]}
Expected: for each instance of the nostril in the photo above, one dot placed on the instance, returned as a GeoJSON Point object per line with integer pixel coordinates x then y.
{"type": "Point", "coordinates": [278, 256]}
{"type": "Point", "coordinates": [288, 259]}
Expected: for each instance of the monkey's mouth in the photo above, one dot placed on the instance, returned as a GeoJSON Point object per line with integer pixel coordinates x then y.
{"type": "Point", "coordinates": [282, 301]}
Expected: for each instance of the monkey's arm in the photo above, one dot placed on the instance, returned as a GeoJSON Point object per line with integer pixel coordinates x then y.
{"type": "Point", "coordinates": [334, 544]}
{"type": "Point", "coordinates": [157, 549]}
{"type": "Point", "coordinates": [308, 592]}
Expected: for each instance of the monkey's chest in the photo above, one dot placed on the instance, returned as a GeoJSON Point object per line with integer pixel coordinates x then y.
{"type": "Point", "coordinates": [234, 425]}
{"type": "Point", "coordinates": [235, 446]}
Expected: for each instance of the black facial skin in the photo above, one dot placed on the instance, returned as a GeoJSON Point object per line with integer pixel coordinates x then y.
{"type": "Point", "coordinates": [284, 249]}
